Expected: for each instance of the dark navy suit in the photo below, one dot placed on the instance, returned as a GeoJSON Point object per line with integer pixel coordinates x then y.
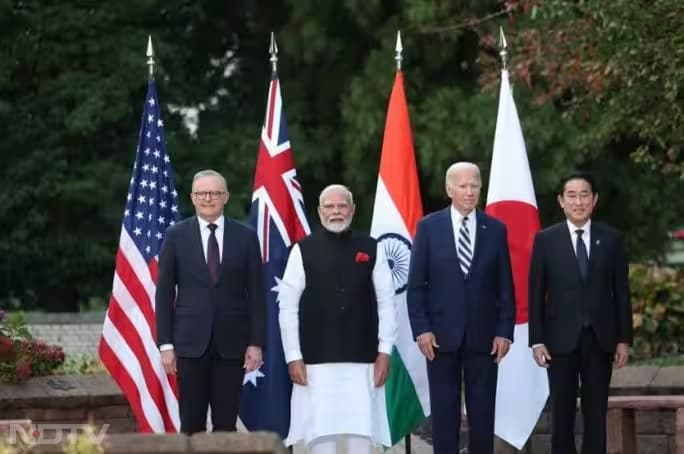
{"type": "Point", "coordinates": [465, 313]}
{"type": "Point", "coordinates": [210, 325]}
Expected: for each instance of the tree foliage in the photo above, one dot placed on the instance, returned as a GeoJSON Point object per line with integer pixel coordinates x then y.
{"type": "Point", "coordinates": [73, 74]}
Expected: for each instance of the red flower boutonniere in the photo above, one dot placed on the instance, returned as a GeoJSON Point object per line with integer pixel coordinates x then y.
{"type": "Point", "coordinates": [361, 257]}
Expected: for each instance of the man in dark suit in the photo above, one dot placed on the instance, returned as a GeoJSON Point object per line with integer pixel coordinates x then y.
{"type": "Point", "coordinates": [462, 310]}
{"type": "Point", "coordinates": [580, 318]}
{"type": "Point", "coordinates": [210, 306]}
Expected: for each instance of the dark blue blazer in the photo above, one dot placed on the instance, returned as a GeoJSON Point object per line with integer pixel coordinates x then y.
{"type": "Point", "coordinates": [461, 310]}
{"type": "Point", "coordinates": [190, 310]}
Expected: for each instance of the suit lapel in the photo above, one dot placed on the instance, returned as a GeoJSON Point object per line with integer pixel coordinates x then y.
{"type": "Point", "coordinates": [595, 249]}
{"type": "Point", "coordinates": [199, 249]}
{"type": "Point", "coordinates": [227, 249]}
{"type": "Point", "coordinates": [480, 237]}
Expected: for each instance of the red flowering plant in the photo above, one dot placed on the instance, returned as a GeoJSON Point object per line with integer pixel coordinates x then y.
{"type": "Point", "coordinates": [22, 357]}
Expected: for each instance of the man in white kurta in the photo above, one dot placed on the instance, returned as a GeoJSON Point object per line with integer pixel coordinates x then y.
{"type": "Point", "coordinates": [338, 373]}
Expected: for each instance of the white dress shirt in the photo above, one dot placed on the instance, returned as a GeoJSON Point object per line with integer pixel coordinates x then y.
{"type": "Point", "coordinates": [205, 231]}
{"type": "Point", "coordinates": [471, 224]}
{"type": "Point", "coordinates": [586, 235]}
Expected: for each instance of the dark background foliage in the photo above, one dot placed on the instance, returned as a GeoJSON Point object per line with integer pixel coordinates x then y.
{"type": "Point", "coordinates": [73, 75]}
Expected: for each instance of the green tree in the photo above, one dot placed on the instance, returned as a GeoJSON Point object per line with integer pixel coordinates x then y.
{"type": "Point", "coordinates": [72, 83]}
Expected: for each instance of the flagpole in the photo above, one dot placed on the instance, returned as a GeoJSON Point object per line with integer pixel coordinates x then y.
{"type": "Point", "coordinates": [503, 49]}
{"type": "Point", "coordinates": [500, 445]}
{"type": "Point", "coordinates": [398, 49]}
{"type": "Point", "coordinates": [150, 56]}
{"type": "Point", "coordinates": [273, 51]}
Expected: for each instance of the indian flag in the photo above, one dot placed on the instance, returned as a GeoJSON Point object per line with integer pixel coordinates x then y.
{"type": "Point", "coordinates": [396, 213]}
{"type": "Point", "coordinates": [522, 386]}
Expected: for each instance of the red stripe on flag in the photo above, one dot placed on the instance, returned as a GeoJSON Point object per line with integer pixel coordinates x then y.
{"type": "Point", "coordinates": [154, 272]}
{"type": "Point", "coordinates": [135, 344]}
{"type": "Point", "coordinates": [153, 266]}
{"type": "Point", "coordinates": [264, 234]}
{"type": "Point", "coordinates": [522, 222]}
{"type": "Point", "coordinates": [137, 290]}
{"type": "Point", "coordinates": [125, 382]}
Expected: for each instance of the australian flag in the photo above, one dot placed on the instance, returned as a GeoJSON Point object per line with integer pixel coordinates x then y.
{"type": "Point", "coordinates": [277, 214]}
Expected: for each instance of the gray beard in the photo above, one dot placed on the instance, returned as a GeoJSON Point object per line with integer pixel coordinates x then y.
{"type": "Point", "coordinates": [336, 227]}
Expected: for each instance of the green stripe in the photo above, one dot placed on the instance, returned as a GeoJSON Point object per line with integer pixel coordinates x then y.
{"type": "Point", "coordinates": [404, 411]}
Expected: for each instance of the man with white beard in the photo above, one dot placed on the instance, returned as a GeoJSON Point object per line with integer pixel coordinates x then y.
{"type": "Point", "coordinates": [338, 325]}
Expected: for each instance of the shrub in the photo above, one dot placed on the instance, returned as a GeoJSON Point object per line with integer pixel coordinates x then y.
{"type": "Point", "coordinates": [22, 357]}
{"type": "Point", "coordinates": [82, 365]}
{"type": "Point", "coordinates": [658, 311]}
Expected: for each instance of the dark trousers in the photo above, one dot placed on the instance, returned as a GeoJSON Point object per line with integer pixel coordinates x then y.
{"type": "Point", "coordinates": [209, 380]}
{"type": "Point", "coordinates": [479, 376]}
{"type": "Point", "coordinates": [590, 364]}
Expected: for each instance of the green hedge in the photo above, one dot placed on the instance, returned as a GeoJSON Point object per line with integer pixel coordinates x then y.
{"type": "Point", "coordinates": [658, 311]}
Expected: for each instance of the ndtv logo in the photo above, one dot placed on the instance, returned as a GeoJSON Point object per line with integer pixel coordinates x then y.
{"type": "Point", "coordinates": [53, 434]}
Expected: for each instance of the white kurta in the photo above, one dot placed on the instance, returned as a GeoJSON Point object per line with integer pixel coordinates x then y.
{"type": "Point", "coordinates": [339, 398]}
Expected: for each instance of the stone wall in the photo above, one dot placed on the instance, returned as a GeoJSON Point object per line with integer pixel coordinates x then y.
{"type": "Point", "coordinates": [68, 400]}
{"type": "Point", "coordinates": [231, 443]}
{"type": "Point", "coordinates": [48, 407]}
{"type": "Point", "coordinates": [655, 429]}
{"type": "Point", "coordinates": [77, 333]}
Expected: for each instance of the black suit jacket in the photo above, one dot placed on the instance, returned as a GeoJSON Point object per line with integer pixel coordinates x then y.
{"type": "Point", "coordinates": [556, 290]}
{"type": "Point", "coordinates": [233, 310]}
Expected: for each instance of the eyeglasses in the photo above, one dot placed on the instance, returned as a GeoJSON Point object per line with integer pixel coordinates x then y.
{"type": "Point", "coordinates": [582, 197]}
{"type": "Point", "coordinates": [332, 206]}
{"type": "Point", "coordinates": [208, 194]}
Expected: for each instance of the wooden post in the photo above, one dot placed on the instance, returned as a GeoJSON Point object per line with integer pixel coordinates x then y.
{"type": "Point", "coordinates": [679, 431]}
{"type": "Point", "coordinates": [621, 431]}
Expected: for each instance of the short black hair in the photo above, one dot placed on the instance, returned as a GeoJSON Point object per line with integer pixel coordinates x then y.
{"type": "Point", "coordinates": [578, 175]}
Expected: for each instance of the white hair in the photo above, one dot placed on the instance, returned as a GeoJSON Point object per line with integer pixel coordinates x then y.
{"type": "Point", "coordinates": [209, 173]}
{"type": "Point", "coordinates": [336, 188]}
{"type": "Point", "coordinates": [457, 167]}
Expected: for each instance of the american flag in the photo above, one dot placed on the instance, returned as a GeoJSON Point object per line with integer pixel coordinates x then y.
{"type": "Point", "coordinates": [277, 214]}
{"type": "Point", "coordinates": [128, 346]}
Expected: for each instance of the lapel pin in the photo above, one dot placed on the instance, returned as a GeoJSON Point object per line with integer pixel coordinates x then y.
{"type": "Point", "coordinates": [598, 242]}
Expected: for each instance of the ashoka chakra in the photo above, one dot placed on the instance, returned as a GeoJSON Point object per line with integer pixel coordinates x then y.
{"type": "Point", "coordinates": [398, 252]}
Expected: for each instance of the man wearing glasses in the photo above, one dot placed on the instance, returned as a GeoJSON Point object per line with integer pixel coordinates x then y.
{"type": "Point", "coordinates": [210, 307]}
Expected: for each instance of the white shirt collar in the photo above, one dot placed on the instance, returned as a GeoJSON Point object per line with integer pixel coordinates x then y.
{"type": "Point", "coordinates": [458, 217]}
{"type": "Point", "coordinates": [586, 228]}
{"type": "Point", "coordinates": [220, 222]}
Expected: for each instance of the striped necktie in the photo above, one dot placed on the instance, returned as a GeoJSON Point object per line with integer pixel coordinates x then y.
{"type": "Point", "coordinates": [465, 253]}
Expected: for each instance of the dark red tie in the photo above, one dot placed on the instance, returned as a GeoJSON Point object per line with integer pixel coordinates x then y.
{"type": "Point", "coordinates": [213, 257]}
